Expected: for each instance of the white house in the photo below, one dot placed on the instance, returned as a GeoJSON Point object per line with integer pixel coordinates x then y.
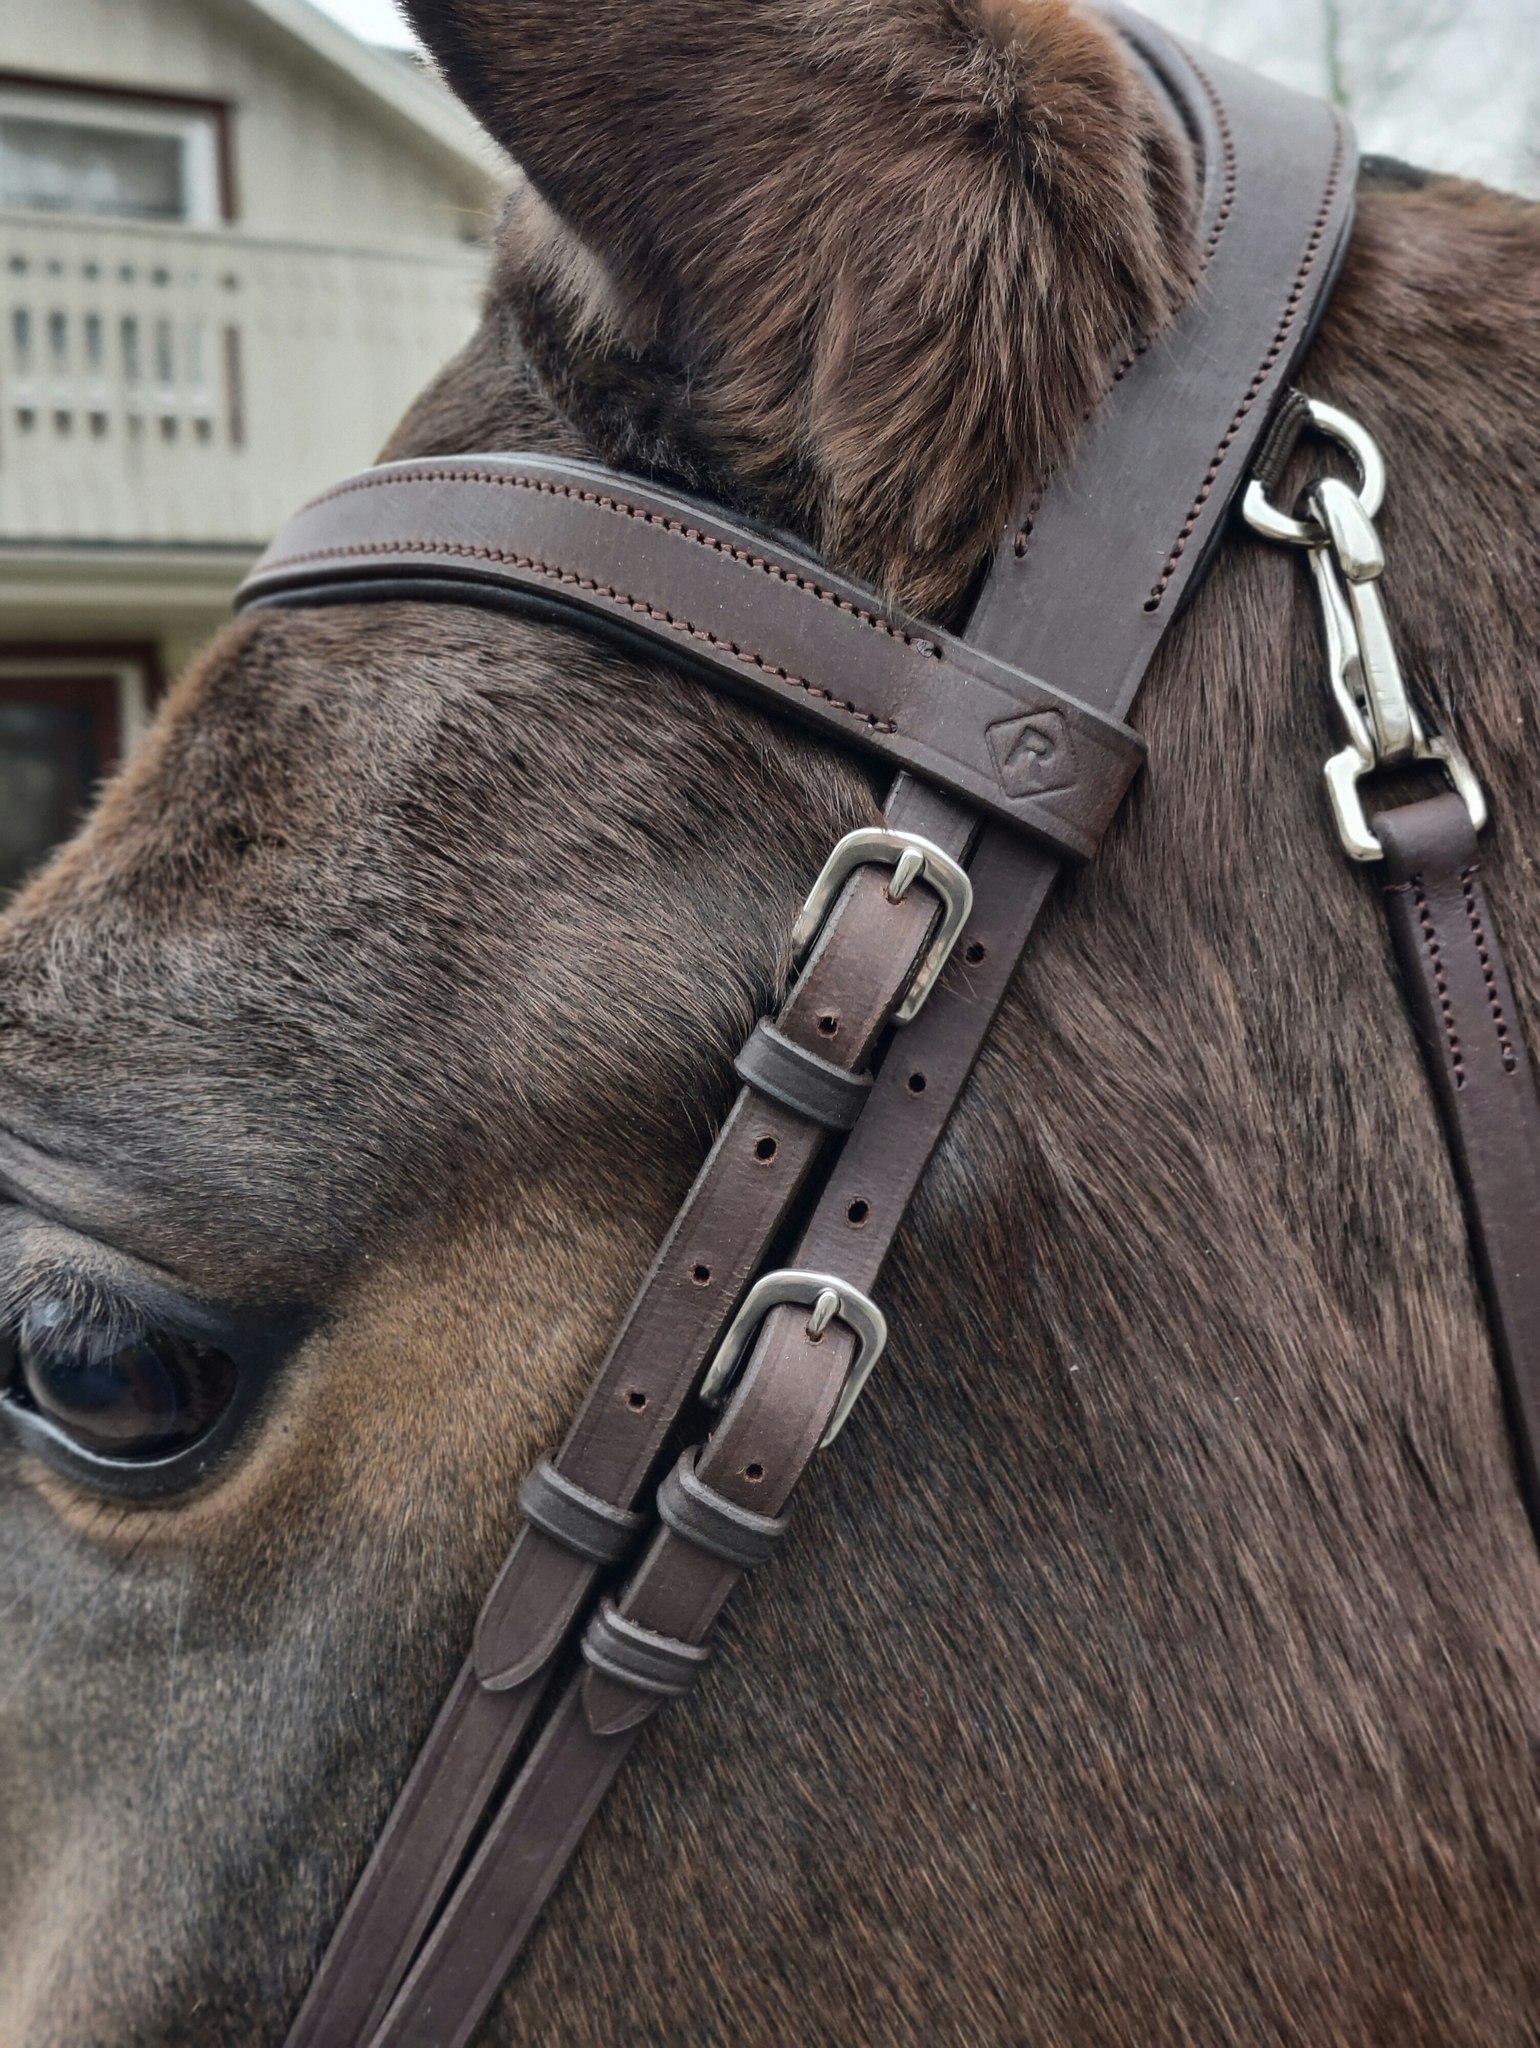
{"type": "Point", "coordinates": [234, 240]}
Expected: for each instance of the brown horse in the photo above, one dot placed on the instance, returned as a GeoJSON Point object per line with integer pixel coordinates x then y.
{"type": "Point", "coordinates": [356, 1056]}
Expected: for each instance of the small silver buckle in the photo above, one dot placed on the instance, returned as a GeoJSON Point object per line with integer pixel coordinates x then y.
{"type": "Point", "coordinates": [912, 859]}
{"type": "Point", "coordinates": [829, 1299]}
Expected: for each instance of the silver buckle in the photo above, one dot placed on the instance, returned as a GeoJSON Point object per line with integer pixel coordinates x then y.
{"type": "Point", "coordinates": [828, 1298]}
{"type": "Point", "coordinates": [912, 859]}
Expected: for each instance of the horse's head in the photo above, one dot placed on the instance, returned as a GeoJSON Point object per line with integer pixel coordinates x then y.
{"type": "Point", "coordinates": [354, 1058]}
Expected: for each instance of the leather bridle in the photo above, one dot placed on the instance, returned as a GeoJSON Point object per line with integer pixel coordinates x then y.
{"type": "Point", "coordinates": [1012, 759]}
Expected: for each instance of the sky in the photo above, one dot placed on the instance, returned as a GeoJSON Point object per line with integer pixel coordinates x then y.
{"type": "Point", "coordinates": [1454, 84]}
{"type": "Point", "coordinates": [375, 20]}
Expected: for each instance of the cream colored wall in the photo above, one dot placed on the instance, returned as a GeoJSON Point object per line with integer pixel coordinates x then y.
{"type": "Point", "coordinates": [166, 383]}
{"type": "Point", "coordinates": [119, 598]}
{"type": "Point", "coordinates": [315, 160]}
{"type": "Point", "coordinates": [130, 509]}
{"type": "Point", "coordinates": [290, 363]}
{"type": "Point", "coordinates": [345, 281]}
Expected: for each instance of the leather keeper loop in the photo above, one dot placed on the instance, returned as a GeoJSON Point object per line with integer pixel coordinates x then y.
{"type": "Point", "coordinates": [1290, 423]}
{"type": "Point", "coordinates": [659, 1665]}
{"type": "Point", "coordinates": [800, 1080]}
{"type": "Point", "coordinates": [579, 1521]}
{"type": "Point", "coordinates": [706, 1519]}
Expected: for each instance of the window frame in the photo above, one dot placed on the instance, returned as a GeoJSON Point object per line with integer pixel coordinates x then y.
{"type": "Point", "coordinates": [204, 126]}
{"type": "Point", "coordinates": [129, 670]}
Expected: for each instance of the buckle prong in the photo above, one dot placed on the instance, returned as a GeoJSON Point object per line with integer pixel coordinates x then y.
{"type": "Point", "coordinates": [828, 1299]}
{"type": "Point", "coordinates": [911, 866]}
{"type": "Point", "coordinates": [825, 1309]}
{"type": "Point", "coordinates": [912, 860]}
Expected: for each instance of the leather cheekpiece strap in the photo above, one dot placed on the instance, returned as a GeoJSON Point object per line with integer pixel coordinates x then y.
{"type": "Point", "coordinates": [576, 1519]}
{"type": "Point", "coordinates": [790, 1074]}
{"type": "Point", "coordinates": [661, 1666]}
{"type": "Point", "coordinates": [699, 1515]}
{"type": "Point", "coordinates": [740, 1203]}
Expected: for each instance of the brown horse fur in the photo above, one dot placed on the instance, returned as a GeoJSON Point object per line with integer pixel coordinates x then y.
{"type": "Point", "coordinates": [1157, 1659]}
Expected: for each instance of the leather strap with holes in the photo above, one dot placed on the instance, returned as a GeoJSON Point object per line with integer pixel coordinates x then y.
{"type": "Point", "coordinates": [1084, 595]}
{"type": "Point", "coordinates": [736, 1209]}
{"type": "Point", "coordinates": [1462, 1004]}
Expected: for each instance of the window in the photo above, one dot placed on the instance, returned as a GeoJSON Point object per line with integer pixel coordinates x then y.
{"type": "Point", "coordinates": [91, 152]}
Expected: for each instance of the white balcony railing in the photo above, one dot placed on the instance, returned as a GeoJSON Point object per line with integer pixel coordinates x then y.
{"type": "Point", "coordinates": [171, 385]}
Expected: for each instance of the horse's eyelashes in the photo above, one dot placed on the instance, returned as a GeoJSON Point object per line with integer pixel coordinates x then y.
{"type": "Point", "coordinates": [72, 1304]}
{"type": "Point", "coordinates": [106, 1383]}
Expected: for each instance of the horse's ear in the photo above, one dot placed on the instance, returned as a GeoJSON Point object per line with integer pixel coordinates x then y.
{"type": "Point", "coordinates": [860, 267]}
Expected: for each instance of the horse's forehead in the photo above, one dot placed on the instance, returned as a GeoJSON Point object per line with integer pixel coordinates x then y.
{"type": "Point", "coordinates": [163, 1045]}
{"type": "Point", "coordinates": [231, 1014]}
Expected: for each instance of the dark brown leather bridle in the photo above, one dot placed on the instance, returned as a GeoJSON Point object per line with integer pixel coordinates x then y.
{"type": "Point", "coordinates": [1012, 758]}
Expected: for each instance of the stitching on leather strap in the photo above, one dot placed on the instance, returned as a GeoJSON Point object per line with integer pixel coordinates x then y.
{"type": "Point", "coordinates": [1232, 176]}
{"type": "Point", "coordinates": [1028, 526]}
{"type": "Point", "coordinates": [1440, 980]}
{"type": "Point", "coordinates": [1488, 973]}
{"type": "Point", "coordinates": [611, 503]}
{"type": "Point", "coordinates": [1296, 300]}
{"type": "Point", "coordinates": [1023, 536]}
{"type": "Point", "coordinates": [554, 574]}
{"type": "Point", "coordinates": [1141, 347]}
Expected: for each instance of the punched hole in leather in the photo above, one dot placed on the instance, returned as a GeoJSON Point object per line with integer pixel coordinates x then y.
{"type": "Point", "coordinates": [866, 957]}
{"type": "Point", "coordinates": [701, 1516]}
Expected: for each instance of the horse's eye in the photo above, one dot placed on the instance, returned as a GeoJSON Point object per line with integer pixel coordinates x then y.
{"type": "Point", "coordinates": [119, 1393]}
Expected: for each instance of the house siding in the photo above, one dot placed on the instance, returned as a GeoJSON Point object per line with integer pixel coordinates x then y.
{"type": "Point", "coordinates": [169, 392]}
{"type": "Point", "coordinates": [315, 160]}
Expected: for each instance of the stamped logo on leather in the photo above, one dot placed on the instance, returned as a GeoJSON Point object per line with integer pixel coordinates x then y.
{"type": "Point", "coordinates": [1034, 754]}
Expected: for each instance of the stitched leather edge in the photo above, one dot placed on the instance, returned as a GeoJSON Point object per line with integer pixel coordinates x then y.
{"type": "Point", "coordinates": [609, 502]}
{"type": "Point", "coordinates": [1291, 311]}
{"type": "Point", "coordinates": [552, 573]}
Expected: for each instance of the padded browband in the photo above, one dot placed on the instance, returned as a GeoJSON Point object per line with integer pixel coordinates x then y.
{"type": "Point", "coordinates": [748, 612]}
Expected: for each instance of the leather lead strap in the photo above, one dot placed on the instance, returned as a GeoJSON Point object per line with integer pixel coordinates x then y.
{"type": "Point", "coordinates": [1104, 563]}
{"type": "Point", "coordinates": [1467, 1021]}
